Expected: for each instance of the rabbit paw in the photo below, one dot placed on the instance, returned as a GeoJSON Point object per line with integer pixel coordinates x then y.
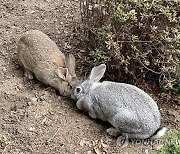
{"type": "Point", "coordinates": [92, 115]}
{"type": "Point", "coordinates": [113, 131]}
{"type": "Point", "coordinates": [28, 74]}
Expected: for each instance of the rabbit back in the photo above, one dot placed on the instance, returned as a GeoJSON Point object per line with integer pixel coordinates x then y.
{"type": "Point", "coordinates": [36, 48]}
{"type": "Point", "coordinates": [126, 107]}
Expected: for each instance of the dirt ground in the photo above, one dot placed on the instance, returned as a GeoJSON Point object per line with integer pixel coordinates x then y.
{"type": "Point", "coordinates": [33, 117]}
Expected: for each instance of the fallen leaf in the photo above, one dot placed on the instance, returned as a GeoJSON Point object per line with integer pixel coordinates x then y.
{"type": "Point", "coordinates": [146, 151]}
{"type": "Point", "coordinates": [157, 146]}
{"type": "Point", "coordinates": [81, 143]}
{"type": "Point", "coordinates": [97, 150]}
{"type": "Point", "coordinates": [31, 129]}
{"type": "Point", "coordinates": [104, 145]}
{"type": "Point", "coordinates": [101, 140]}
{"type": "Point", "coordinates": [93, 143]}
{"type": "Point", "coordinates": [89, 152]}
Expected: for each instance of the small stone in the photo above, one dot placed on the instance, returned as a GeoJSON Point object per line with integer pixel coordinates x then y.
{"type": "Point", "coordinates": [4, 69]}
{"type": "Point", "coordinates": [32, 129]}
{"type": "Point", "coordinates": [89, 152]}
{"type": "Point", "coordinates": [146, 151]}
{"type": "Point", "coordinates": [47, 1]}
{"type": "Point", "coordinates": [48, 122]}
{"type": "Point", "coordinates": [81, 143]}
{"type": "Point", "coordinates": [29, 103]}
{"type": "Point", "coordinates": [33, 99]}
{"type": "Point", "coordinates": [32, 11]}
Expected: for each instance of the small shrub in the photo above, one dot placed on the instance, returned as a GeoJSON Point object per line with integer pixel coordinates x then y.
{"type": "Point", "coordinates": [137, 39]}
{"type": "Point", "coordinates": [99, 56]}
{"type": "Point", "coordinates": [173, 146]}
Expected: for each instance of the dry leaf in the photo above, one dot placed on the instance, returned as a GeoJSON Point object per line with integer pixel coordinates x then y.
{"type": "Point", "coordinates": [81, 143]}
{"type": "Point", "coordinates": [157, 146]}
{"type": "Point", "coordinates": [104, 145]}
{"type": "Point", "coordinates": [146, 151]}
{"type": "Point", "coordinates": [97, 150]}
{"type": "Point", "coordinates": [93, 143]}
{"type": "Point", "coordinates": [89, 152]}
{"type": "Point", "coordinates": [102, 140]}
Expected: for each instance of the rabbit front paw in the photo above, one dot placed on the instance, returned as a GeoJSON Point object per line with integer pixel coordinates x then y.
{"type": "Point", "coordinates": [79, 105]}
{"type": "Point", "coordinates": [28, 74]}
{"type": "Point", "coordinates": [113, 131]}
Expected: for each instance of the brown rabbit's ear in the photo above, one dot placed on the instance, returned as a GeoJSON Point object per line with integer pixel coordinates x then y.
{"type": "Point", "coordinates": [62, 72]}
{"type": "Point", "coordinates": [70, 64]}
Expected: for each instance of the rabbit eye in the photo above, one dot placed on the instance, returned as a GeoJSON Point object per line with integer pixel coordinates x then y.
{"type": "Point", "coordinates": [78, 89]}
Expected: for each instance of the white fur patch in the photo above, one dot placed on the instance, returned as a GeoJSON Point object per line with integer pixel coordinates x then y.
{"type": "Point", "coordinates": [160, 133]}
{"type": "Point", "coordinates": [95, 85]}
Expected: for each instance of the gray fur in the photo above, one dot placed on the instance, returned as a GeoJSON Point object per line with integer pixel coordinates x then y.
{"type": "Point", "coordinates": [131, 111]}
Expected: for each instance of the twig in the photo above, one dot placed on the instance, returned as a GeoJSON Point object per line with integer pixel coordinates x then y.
{"type": "Point", "coordinates": [149, 68]}
{"type": "Point", "coordinates": [5, 148]}
{"type": "Point", "coordinates": [135, 41]}
{"type": "Point", "coordinates": [53, 135]}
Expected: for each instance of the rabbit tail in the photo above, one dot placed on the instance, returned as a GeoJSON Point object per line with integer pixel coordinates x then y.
{"type": "Point", "coordinates": [159, 133]}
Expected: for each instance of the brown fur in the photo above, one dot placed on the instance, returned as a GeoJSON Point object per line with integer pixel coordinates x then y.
{"type": "Point", "coordinates": [40, 56]}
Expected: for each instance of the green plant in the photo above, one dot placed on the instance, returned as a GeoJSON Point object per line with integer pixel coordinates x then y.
{"type": "Point", "coordinates": [99, 56]}
{"type": "Point", "coordinates": [139, 39]}
{"type": "Point", "coordinates": [172, 141]}
{"type": "Point", "coordinates": [4, 140]}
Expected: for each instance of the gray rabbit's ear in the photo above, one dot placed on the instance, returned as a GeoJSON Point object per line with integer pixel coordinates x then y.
{"type": "Point", "coordinates": [62, 72]}
{"type": "Point", "coordinates": [97, 73]}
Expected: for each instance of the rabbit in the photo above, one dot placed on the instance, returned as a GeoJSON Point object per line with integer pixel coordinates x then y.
{"type": "Point", "coordinates": [131, 112]}
{"type": "Point", "coordinates": [40, 57]}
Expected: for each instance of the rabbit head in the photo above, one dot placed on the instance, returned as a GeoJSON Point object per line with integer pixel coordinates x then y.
{"type": "Point", "coordinates": [67, 77]}
{"type": "Point", "coordinates": [83, 88]}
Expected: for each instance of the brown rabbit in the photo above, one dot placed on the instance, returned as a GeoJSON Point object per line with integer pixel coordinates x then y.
{"type": "Point", "coordinates": [40, 56]}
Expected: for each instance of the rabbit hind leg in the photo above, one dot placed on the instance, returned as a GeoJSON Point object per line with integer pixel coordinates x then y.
{"type": "Point", "coordinates": [135, 135]}
{"type": "Point", "coordinates": [115, 132]}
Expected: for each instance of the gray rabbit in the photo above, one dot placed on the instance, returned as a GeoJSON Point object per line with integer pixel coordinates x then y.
{"type": "Point", "coordinates": [131, 111]}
